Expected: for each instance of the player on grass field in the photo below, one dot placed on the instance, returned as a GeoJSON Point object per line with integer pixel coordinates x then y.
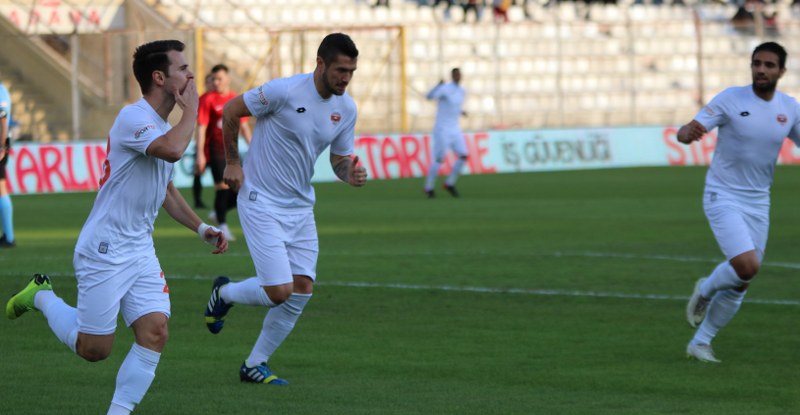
{"type": "Point", "coordinates": [297, 118]}
{"type": "Point", "coordinates": [211, 151]}
{"type": "Point", "coordinates": [447, 133]}
{"type": "Point", "coordinates": [753, 122]}
{"type": "Point", "coordinates": [115, 262]}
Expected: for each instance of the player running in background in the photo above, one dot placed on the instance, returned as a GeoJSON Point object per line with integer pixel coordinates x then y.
{"type": "Point", "coordinates": [447, 133]}
{"type": "Point", "coordinates": [197, 183]}
{"type": "Point", "coordinates": [115, 261]}
{"type": "Point", "coordinates": [6, 207]}
{"type": "Point", "coordinates": [753, 122]}
{"type": "Point", "coordinates": [209, 140]}
{"type": "Point", "coordinates": [297, 118]}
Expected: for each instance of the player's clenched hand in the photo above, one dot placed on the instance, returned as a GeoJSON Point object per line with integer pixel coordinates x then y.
{"type": "Point", "coordinates": [693, 131]}
{"type": "Point", "coordinates": [357, 176]}
{"type": "Point", "coordinates": [222, 245]}
{"type": "Point", "coordinates": [188, 99]}
{"type": "Point", "coordinates": [213, 235]}
{"type": "Point", "coordinates": [233, 176]}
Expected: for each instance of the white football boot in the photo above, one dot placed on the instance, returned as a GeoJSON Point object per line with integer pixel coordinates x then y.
{"type": "Point", "coordinates": [697, 306]}
{"type": "Point", "coordinates": [701, 352]}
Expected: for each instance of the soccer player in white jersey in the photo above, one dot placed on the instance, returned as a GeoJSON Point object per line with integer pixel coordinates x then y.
{"type": "Point", "coordinates": [115, 262]}
{"type": "Point", "coordinates": [753, 122]}
{"type": "Point", "coordinates": [447, 133]}
{"type": "Point", "coordinates": [297, 118]}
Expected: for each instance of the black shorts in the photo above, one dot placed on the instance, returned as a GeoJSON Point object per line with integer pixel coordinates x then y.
{"type": "Point", "coordinates": [4, 160]}
{"type": "Point", "coordinates": [217, 169]}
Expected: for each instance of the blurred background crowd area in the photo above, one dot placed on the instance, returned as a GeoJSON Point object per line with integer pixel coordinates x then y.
{"type": "Point", "coordinates": [525, 64]}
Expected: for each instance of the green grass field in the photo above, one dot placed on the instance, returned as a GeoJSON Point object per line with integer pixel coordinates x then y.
{"type": "Point", "coordinates": [550, 293]}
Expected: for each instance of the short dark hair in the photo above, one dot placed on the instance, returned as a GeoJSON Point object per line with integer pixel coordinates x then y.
{"type": "Point", "coordinates": [219, 67]}
{"type": "Point", "coordinates": [774, 48]}
{"type": "Point", "coordinates": [336, 44]}
{"type": "Point", "coordinates": [151, 57]}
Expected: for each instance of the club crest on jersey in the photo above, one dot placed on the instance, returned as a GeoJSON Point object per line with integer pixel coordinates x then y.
{"type": "Point", "coordinates": [335, 118]}
{"type": "Point", "coordinates": [782, 119]}
{"type": "Point", "coordinates": [144, 130]}
{"type": "Point", "coordinates": [261, 97]}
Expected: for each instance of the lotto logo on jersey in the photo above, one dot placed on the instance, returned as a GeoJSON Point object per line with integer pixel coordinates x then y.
{"type": "Point", "coordinates": [782, 119]}
{"type": "Point", "coordinates": [335, 118]}
{"type": "Point", "coordinates": [261, 97]}
{"type": "Point", "coordinates": [708, 110]}
{"type": "Point", "coordinates": [144, 130]}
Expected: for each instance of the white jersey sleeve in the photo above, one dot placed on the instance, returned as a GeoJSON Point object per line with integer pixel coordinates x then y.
{"type": "Point", "coordinates": [715, 113]}
{"type": "Point", "coordinates": [136, 130]}
{"type": "Point", "coordinates": [267, 98]}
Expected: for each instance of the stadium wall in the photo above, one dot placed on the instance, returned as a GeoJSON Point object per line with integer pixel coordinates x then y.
{"type": "Point", "coordinates": [77, 167]}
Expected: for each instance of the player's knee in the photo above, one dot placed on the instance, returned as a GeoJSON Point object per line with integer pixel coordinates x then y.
{"type": "Point", "coordinates": [278, 294]}
{"type": "Point", "coordinates": [746, 265]}
{"type": "Point", "coordinates": [303, 284]}
{"type": "Point", "coordinates": [92, 352]}
{"type": "Point", "coordinates": [155, 338]}
{"type": "Point", "coordinates": [746, 270]}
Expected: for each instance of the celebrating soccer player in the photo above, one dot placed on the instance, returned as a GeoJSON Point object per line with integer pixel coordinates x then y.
{"type": "Point", "coordinates": [753, 122]}
{"type": "Point", "coordinates": [115, 262]}
{"type": "Point", "coordinates": [296, 119]}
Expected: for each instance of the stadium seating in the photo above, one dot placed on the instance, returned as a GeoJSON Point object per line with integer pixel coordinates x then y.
{"type": "Point", "coordinates": [570, 65]}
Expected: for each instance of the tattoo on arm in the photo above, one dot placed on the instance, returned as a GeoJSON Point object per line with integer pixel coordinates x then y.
{"type": "Point", "coordinates": [341, 167]}
{"type": "Point", "coordinates": [231, 138]}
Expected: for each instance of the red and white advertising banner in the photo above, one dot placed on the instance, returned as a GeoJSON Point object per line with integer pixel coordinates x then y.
{"type": "Point", "coordinates": [63, 16]}
{"type": "Point", "coordinates": [77, 167]}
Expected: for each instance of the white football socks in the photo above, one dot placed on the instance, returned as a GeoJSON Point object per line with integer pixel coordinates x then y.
{"type": "Point", "coordinates": [457, 166]}
{"type": "Point", "coordinates": [278, 323]}
{"type": "Point", "coordinates": [433, 171]}
{"type": "Point", "coordinates": [248, 292]}
{"type": "Point", "coordinates": [722, 278]}
{"type": "Point", "coordinates": [115, 409]}
{"type": "Point", "coordinates": [723, 307]}
{"type": "Point", "coordinates": [61, 318]}
{"type": "Point", "coordinates": [135, 376]}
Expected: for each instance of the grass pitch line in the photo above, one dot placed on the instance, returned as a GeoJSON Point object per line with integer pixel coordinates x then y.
{"type": "Point", "coordinates": [486, 290]}
{"type": "Point", "coordinates": [540, 292]}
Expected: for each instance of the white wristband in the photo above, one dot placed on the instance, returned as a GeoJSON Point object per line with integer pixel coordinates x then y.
{"type": "Point", "coordinates": [201, 230]}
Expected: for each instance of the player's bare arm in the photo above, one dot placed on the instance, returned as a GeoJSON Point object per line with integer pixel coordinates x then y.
{"type": "Point", "coordinates": [348, 170]}
{"type": "Point", "coordinates": [178, 209]}
{"type": "Point", "coordinates": [693, 131]}
{"type": "Point", "coordinates": [173, 144]}
{"type": "Point", "coordinates": [247, 132]}
{"type": "Point", "coordinates": [232, 114]}
{"type": "Point", "coordinates": [200, 141]}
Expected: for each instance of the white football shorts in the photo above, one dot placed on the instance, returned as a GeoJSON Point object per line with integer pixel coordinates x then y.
{"type": "Point", "coordinates": [281, 245]}
{"type": "Point", "coordinates": [137, 287]}
{"type": "Point", "coordinates": [444, 140]}
{"type": "Point", "coordinates": [739, 224]}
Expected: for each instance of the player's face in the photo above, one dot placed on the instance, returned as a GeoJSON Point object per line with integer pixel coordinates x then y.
{"type": "Point", "coordinates": [221, 81]}
{"type": "Point", "coordinates": [179, 74]}
{"type": "Point", "coordinates": [766, 71]}
{"type": "Point", "coordinates": [456, 76]}
{"type": "Point", "coordinates": [337, 75]}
